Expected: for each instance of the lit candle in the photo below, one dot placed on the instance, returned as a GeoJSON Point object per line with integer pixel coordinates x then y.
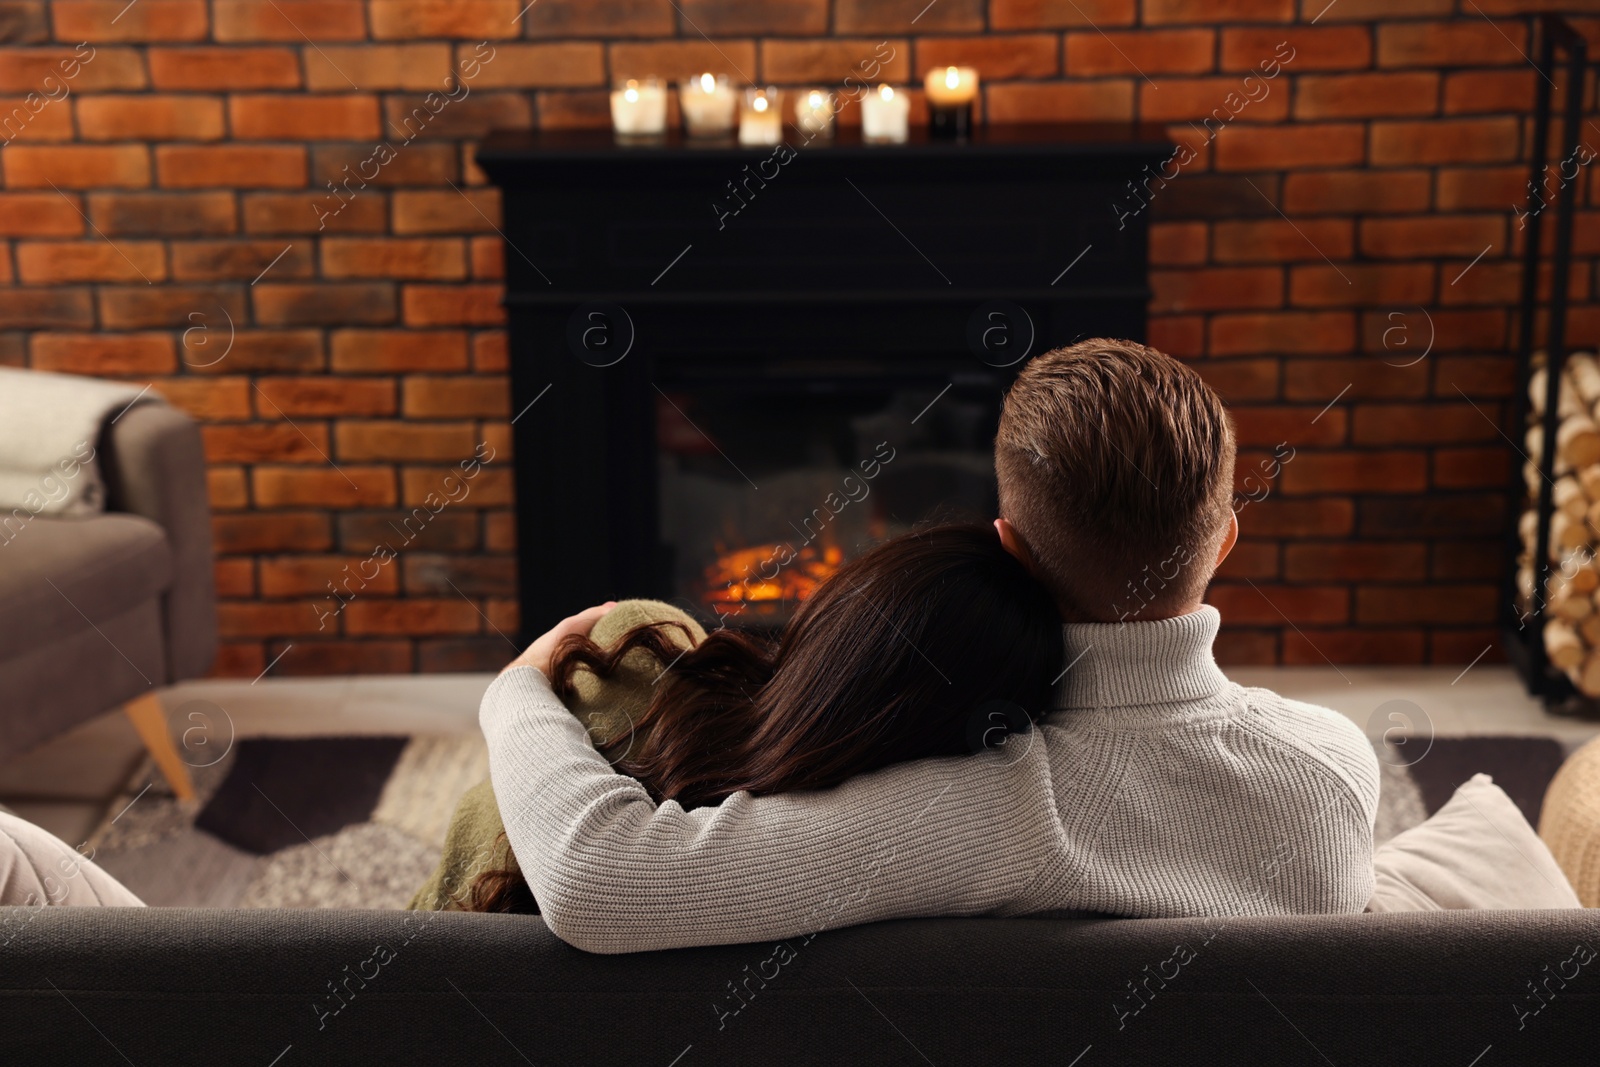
{"type": "Point", "coordinates": [708, 104]}
{"type": "Point", "coordinates": [639, 106]}
{"type": "Point", "coordinates": [813, 113]}
{"type": "Point", "coordinates": [760, 122]}
{"type": "Point", "coordinates": [883, 115]}
{"type": "Point", "coordinates": [951, 91]}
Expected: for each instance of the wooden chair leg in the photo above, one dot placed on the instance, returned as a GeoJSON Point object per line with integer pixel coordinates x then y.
{"type": "Point", "coordinates": [150, 720]}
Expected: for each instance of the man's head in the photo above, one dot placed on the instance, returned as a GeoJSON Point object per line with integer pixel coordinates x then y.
{"type": "Point", "coordinates": [1116, 470]}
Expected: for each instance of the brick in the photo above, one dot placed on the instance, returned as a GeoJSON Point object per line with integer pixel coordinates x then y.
{"type": "Point", "coordinates": [1238, 380]}
{"type": "Point", "coordinates": [1471, 468]}
{"type": "Point", "coordinates": [1402, 336]}
{"type": "Point", "coordinates": [40, 215]}
{"type": "Point", "coordinates": [1488, 91]}
{"type": "Point", "coordinates": [1468, 560]}
{"type": "Point", "coordinates": [34, 119]}
{"type": "Point", "coordinates": [587, 110]}
{"type": "Point", "coordinates": [378, 351]}
{"type": "Point", "coordinates": [1060, 101]}
{"type": "Point", "coordinates": [1425, 604]}
{"type": "Point", "coordinates": [1278, 517]}
{"type": "Point", "coordinates": [500, 532]}
{"type": "Point", "coordinates": [302, 576]}
{"type": "Point", "coordinates": [1319, 145]}
{"type": "Point", "coordinates": [1444, 141]}
{"type": "Point", "coordinates": [489, 354]}
{"type": "Point", "coordinates": [456, 654]}
{"type": "Point", "coordinates": [408, 116]}
{"type": "Point", "coordinates": [77, 167]}
{"type": "Point", "coordinates": [488, 257]}
{"type": "Point", "coordinates": [209, 399]}
{"type": "Point", "coordinates": [324, 304]}
{"type": "Point", "coordinates": [1322, 380]}
{"type": "Point", "coordinates": [1139, 52]}
{"type": "Point", "coordinates": [337, 68]}
{"type": "Point", "coordinates": [430, 397]}
{"type": "Point", "coordinates": [230, 166]}
{"type": "Point", "coordinates": [1430, 236]}
{"type": "Point", "coordinates": [13, 350]}
{"type": "Point", "coordinates": [358, 257]}
{"type": "Point", "coordinates": [219, 69]}
{"type": "Point", "coordinates": [228, 491]}
{"type": "Point", "coordinates": [277, 442]}
{"type": "Point", "coordinates": [1282, 332]}
{"type": "Point", "coordinates": [1389, 561]}
{"type": "Point", "coordinates": [347, 487]}
{"type": "Point", "coordinates": [59, 262]}
{"type": "Point", "coordinates": [1436, 423]}
{"type": "Point", "coordinates": [1178, 244]}
{"type": "Point", "coordinates": [1280, 240]}
{"type": "Point", "coordinates": [117, 20]}
{"type": "Point", "coordinates": [24, 22]}
{"type": "Point", "coordinates": [440, 575]}
{"type": "Point", "coordinates": [268, 619]}
{"type": "Point", "coordinates": [829, 62]}
{"type": "Point", "coordinates": [1317, 647]}
{"type": "Point", "coordinates": [714, 17]}
{"type": "Point", "coordinates": [1355, 472]}
{"type": "Point", "coordinates": [104, 353]}
{"type": "Point", "coordinates": [601, 18]}
{"type": "Point", "coordinates": [238, 659]}
{"type": "Point", "coordinates": [453, 305]}
{"type": "Point", "coordinates": [995, 58]}
{"type": "Point", "coordinates": [1460, 648]}
{"type": "Point", "coordinates": [56, 308]}
{"type": "Point", "coordinates": [324, 658]}
{"type": "Point", "coordinates": [1346, 192]}
{"type": "Point", "coordinates": [1059, 14]}
{"type": "Point", "coordinates": [324, 117]}
{"type": "Point", "coordinates": [1159, 12]}
{"type": "Point", "coordinates": [162, 214]}
{"type": "Point", "coordinates": [1269, 605]}
{"type": "Point", "coordinates": [503, 615]}
{"type": "Point", "coordinates": [234, 577]}
{"type": "Point", "coordinates": [396, 440]}
{"type": "Point", "coordinates": [1250, 559]}
{"type": "Point", "coordinates": [288, 20]}
{"type": "Point", "coordinates": [1297, 427]}
{"type": "Point", "coordinates": [1355, 284]}
{"type": "Point", "coordinates": [1216, 289]}
{"type": "Point", "coordinates": [1351, 96]}
{"type": "Point", "coordinates": [1498, 280]}
{"type": "Point", "coordinates": [416, 529]}
{"type": "Point", "coordinates": [539, 66]}
{"type": "Point", "coordinates": [497, 436]}
{"type": "Point", "coordinates": [170, 306]}
{"type": "Point", "coordinates": [1385, 9]}
{"type": "Point", "coordinates": [1310, 47]}
{"type": "Point", "coordinates": [250, 350]}
{"type": "Point", "coordinates": [291, 213]}
{"type": "Point", "coordinates": [81, 70]}
{"type": "Point", "coordinates": [890, 16]}
{"type": "Point", "coordinates": [1246, 648]}
{"type": "Point", "coordinates": [252, 533]}
{"type": "Point", "coordinates": [1464, 43]}
{"type": "Point", "coordinates": [1212, 103]}
{"type": "Point", "coordinates": [476, 19]}
{"type": "Point", "coordinates": [242, 260]}
{"type": "Point", "coordinates": [1434, 515]}
{"type": "Point", "coordinates": [413, 615]}
{"type": "Point", "coordinates": [678, 60]}
{"type": "Point", "coordinates": [323, 396]}
{"type": "Point", "coordinates": [1178, 335]}
{"type": "Point", "coordinates": [417, 164]}
{"type": "Point", "coordinates": [491, 487]}
{"type": "Point", "coordinates": [1478, 376]}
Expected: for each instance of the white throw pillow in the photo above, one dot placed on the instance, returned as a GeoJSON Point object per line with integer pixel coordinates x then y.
{"type": "Point", "coordinates": [1475, 852]}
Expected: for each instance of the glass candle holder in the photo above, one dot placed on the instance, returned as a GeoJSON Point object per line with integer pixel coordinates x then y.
{"type": "Point", "coordinates": [709, 105]}
{"type": "Point", "coordinates": [951, 91]}
{"type": "Point", "coordinates": [813, 113]}
{"type": "Point", "coordinates": [761, 120]}
{"type": "Point", "coordinates": [639, 108]}
{"type": "Point", "coordinates": [884, 115]}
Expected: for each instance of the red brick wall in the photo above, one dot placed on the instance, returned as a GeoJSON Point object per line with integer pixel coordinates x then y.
{"type": "Point", "coordinates": [165, 188]}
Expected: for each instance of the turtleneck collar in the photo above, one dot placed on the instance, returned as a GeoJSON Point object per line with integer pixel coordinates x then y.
{"type": "Point", "coordinates": [1137, 664]}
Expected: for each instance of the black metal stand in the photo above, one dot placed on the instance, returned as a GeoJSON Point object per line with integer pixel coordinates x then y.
{"type": "Point", "coordinates": [1524, 626]}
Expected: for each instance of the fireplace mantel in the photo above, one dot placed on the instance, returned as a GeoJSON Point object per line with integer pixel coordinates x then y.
{"type": "Point", "coordinates": [629, 266]}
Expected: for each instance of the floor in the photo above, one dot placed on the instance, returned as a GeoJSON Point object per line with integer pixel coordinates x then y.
{"type": "Point", "coordinates": [67, 785]}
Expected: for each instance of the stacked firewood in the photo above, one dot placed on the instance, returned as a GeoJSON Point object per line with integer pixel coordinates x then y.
{"type": "Point", "coordinates": [1572, 597]}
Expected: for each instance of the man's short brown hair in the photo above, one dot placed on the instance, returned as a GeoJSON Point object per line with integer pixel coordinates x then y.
{"type": "Point", "coordinates": [1116, 466]}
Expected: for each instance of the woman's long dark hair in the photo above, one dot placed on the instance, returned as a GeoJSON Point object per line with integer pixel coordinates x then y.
{"type": "Point", "coordinates": [897, 656]}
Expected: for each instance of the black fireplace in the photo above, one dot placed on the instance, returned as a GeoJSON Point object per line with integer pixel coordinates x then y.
{"type": "Point", "coordinates": [732, 368]}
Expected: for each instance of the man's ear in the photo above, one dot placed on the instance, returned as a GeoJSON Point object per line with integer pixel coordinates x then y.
{"type": "Point", "coordinates": [1013, 543]}
{"type": "Point", "coordinates": [1230, 538]}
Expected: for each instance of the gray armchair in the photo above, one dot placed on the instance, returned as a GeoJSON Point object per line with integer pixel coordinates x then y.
{"type": "Point", "coordinates": [101, 612]}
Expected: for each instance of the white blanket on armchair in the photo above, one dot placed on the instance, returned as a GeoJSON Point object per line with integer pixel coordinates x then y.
{"type": "Point", "coordinates": [50, 427]}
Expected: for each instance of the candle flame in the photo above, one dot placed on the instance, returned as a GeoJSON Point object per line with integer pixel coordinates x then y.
{"type": "Point", "coordinates": [815, 98]}
{"type": "Point", "coordinates": [760, 103]}
{"type": "Point", "coordinates": [707, 83]}
{"type": "Point", "coordinates": [630, 94]}
{"type": "Point", "coordinates": [886, 91]}
{"type": "Point", "coordinates": [952, 78]}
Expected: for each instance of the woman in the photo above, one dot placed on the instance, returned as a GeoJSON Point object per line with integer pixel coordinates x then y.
{"type": "Point", "coordinates": [937, 643]}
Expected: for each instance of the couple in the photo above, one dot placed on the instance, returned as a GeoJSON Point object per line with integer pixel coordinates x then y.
{"type": "Point", "coordinates": [927, 738]}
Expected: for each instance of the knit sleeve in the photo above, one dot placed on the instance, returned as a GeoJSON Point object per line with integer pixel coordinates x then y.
{"type": "Point", "coordinates": [615, 872]}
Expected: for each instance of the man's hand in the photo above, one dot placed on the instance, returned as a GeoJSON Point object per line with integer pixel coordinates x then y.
{"type": "Point", "coordinates": [538, 654]}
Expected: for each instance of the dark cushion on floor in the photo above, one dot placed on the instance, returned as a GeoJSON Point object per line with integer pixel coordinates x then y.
{"type": "Point", "coordinates": [61, 576]}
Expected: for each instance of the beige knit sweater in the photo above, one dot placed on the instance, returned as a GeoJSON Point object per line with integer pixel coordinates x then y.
{"type": "Point", "coordinates": [1156, 788]}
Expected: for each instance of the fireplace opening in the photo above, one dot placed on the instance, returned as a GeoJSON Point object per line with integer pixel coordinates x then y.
{"type": "Point", "coordinates": [769, 482]}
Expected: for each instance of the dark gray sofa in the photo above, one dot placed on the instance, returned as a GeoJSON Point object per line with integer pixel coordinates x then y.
{"type": "Point", "coordinates": [179, 987]}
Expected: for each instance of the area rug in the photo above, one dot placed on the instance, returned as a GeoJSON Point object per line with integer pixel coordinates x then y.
{"type": "Point", "coordinates": [359, 822]}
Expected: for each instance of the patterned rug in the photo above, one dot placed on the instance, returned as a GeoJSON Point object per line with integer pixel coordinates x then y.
{"type": "Point", "coordinates": [359, 822]}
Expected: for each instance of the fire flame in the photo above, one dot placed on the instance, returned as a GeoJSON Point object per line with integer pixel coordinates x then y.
{"type": "Point", "coordinates": [740, 576]}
